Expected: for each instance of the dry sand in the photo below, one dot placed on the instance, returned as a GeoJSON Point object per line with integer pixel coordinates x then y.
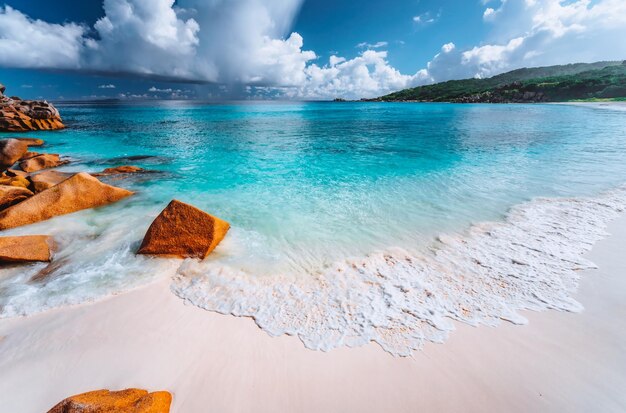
{"type": "Point", "coordinates": [148, 338]}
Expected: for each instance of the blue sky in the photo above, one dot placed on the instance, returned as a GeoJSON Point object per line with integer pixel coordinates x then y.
{"type": "Point", "coordinates": [289, 49]}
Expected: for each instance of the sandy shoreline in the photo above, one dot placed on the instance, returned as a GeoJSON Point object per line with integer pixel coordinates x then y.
{"type": "Point", "coordinates": [148, 338]}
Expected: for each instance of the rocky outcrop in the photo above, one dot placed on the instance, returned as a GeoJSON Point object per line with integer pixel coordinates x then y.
{"type": "Point", "coordinates": [11, 195]}
{"type": "Point", "coordinates": [124, 401]}
{"type": "Point", "coordinates": [81, 191]}
{"type": "Point", "coordinates": [43, 161]}
{"type": "Point", "coordinates": [45, 180]}
{"type": "Point", "coordinates": [183, 231]}
{"type": "Point", "coordinates": [25, 249]}
{"type": "Point", "coordinates": [11, 150]}
{"type": "Point", "coordinates": [17, 115]}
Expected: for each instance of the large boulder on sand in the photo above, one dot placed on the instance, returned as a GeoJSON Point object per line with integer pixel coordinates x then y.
{"type": "Point", "coordinates": [124, 401]}
{"type": "Point", "coordinates": [43, 161]}
{"type": "Point", "coordinates": [11, 195]}
{"type": "Point", "coordinates": [25, 249]}
{"type": "Point", "coordinates": [11, 150]}
{"type": "Point", "coordinates": [47, 179]}
{"type": "Point", "coordinates": [81, 191]}
{"type": "Point", "coordinates": [183, 231]}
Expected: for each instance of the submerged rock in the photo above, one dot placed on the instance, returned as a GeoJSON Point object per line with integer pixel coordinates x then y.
{"type": "Point", "coordinates": [118, 170]}
{"type": "Point", "coordinates": [11, 195]}
{"type": "Point", "coordinates": [43, 161]}
{"type": "Point", "coordinates": [81, 191]}
{"type": "Point", "coordinates": [124, 401]}
{"type": "Point", "coordinates": [47, 179]}
{"type": "Point", "coordinates": [183, 231]}
{"type": "Point", "coordinates": [11, 150]}
{"type": "Point", "coordinates": [27, 248]}
{"type": "Point", "coordinates": [17, 115]}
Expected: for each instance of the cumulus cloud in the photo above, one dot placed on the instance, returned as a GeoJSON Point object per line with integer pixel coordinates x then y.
{"type": "Point", "coordinates": [538, 33]}
{"type": "Point", "coordinates": [28, 43]}
{"type": "Point", "coordinates": [367, 75]}
{"type": "Point", "coordinates": [109, 86]}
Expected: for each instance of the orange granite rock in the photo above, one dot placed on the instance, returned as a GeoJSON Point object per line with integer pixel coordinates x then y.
{"type": "Point", "coordinates": [126, 169]}
{"type": "Point", "coordinates": [47, 179]}
{"type": "Point", "coordinates": [14, 181]}
{"type": "Point", "coordinates": [17, 115]}
{"type": "Point", "coordinates": [25, 249]}
{"type": "Point", "coordinates": [29, 155]}
{"type": "Point", "coordinates": [183, 231]}
{"type": "Point", "coordinates": [11, 195]}
{"type": "Point", "coordinates": [81, 191]}
{"type": "Point", "coordinates": [11, 150]}
{"type": "Point", "coordinates": [124, 401]}
{"type": "Point", "coordinates": [43, 161]}
{"type": "Point", "coordinates": [31, 141]}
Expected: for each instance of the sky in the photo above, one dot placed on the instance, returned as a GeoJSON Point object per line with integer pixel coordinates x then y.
{"type": "Point", "coordinates": [288, 49]}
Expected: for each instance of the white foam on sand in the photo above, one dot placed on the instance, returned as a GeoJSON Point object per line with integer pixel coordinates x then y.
{"type": "Point", "coordinates": [400, 300]}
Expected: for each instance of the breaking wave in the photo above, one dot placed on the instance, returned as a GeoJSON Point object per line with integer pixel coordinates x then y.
{"type": "Point", "coordinates": [400, 299]}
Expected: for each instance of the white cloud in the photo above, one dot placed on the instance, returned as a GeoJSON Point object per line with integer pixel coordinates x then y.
{"type": "Point", "coordinates": [425, 18]}
{"type": "Point", "coordinates": [109, 86]}
{"type": "Point", "coordinates": [489, 13]}
{"type": "Point", "coordinates": [530, 33]}
{"type": "Point", "coordinates": [377, 45]}
{"type": "Point", "coordinates": [25, 42]}
{"type": "Point", "coordinates": [367, 75]}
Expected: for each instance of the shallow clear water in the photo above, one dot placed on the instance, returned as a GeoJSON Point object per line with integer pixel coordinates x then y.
{"type": "Point", "coordinates": [306, 185]}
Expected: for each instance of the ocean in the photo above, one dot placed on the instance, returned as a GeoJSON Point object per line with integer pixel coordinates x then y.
{"type": "Point", "coordinates": [351, 222]}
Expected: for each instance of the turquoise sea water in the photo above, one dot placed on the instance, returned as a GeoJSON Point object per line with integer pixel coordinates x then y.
{"type": "Point", "coordinates": [306, 185]}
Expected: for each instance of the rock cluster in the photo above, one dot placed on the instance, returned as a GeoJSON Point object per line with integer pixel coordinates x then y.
{"type": "Point", "coordinates": [123, 401]}
{"type": "Point", "coordinates": [34, 192]}
{"type": "Point", "coordinates": [17, 115]}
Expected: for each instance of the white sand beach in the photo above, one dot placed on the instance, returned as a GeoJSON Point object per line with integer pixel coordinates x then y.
{"type": "Point", "coordinates": [147, 338]}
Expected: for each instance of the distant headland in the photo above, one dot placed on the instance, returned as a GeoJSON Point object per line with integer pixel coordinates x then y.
{"type": "Point", "coordinates": [573, 82]}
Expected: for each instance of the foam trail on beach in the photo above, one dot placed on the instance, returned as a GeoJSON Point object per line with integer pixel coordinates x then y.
{"type": "Point", "coordinates": [400, 300]}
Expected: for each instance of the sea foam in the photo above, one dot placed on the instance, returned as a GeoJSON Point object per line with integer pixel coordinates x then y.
{"type": "Point", "coordinates": [400, 299]}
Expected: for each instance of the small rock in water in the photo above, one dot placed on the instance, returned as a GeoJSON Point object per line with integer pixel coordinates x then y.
{"type": "Point", "coordinates": [126, 169]}
{"type": "Point", "coordinates": [11, 195]}
{"type": "Point", "coordinates": [43, 161]}
{"type": "Point", "coordinates": [30, 248]}
{"type": "Point", "coordinates": [11, 150]}
{"type": "Point", "coordinates": [123, 401]}
{"type": "Point", "coordinates": [183, 231]}
{"type": "Point", "coordinates": [81, 191]}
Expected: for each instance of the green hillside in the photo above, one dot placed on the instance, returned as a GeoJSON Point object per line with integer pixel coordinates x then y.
{"type": "Point", "coordinates": [599, 80]}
